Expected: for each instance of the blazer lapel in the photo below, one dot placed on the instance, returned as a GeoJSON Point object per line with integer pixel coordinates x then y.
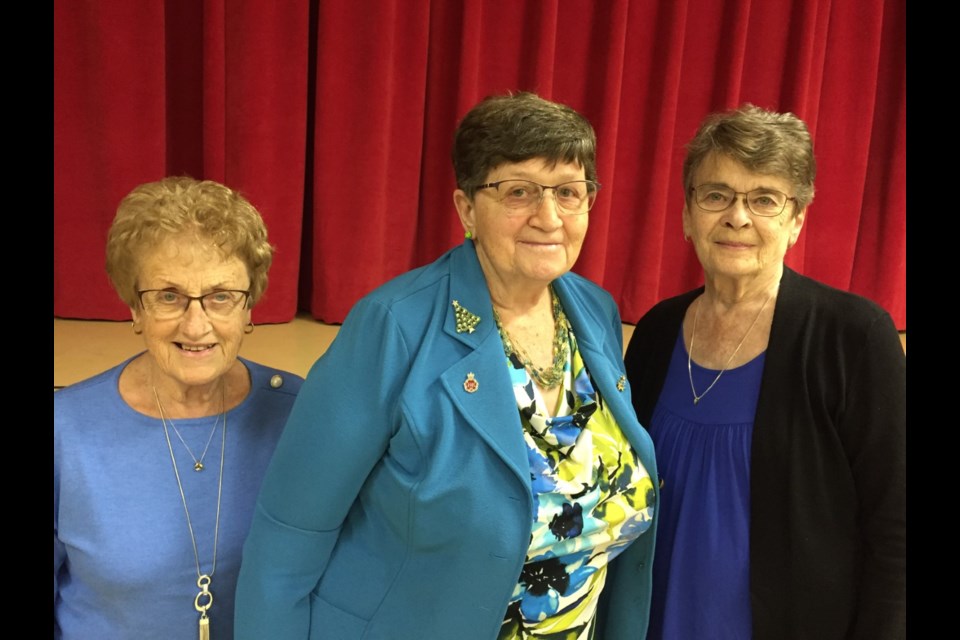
{"type": "Point", "coordinates": [478, 384]}
{"type": "Point", "coordinates": [606, 368]}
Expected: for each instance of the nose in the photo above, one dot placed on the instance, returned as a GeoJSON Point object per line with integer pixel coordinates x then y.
{"type": "Point", "coordinates": [195, 321]}
{"type": "Point", "coordinates": [547, 213]}
{"type": "Point", "coordinates": [737, 215]}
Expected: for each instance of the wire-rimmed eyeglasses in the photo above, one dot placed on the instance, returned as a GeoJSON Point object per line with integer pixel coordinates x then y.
{"type": "Point", "coordinates": [167, 304]}
{"type": "Point", "coordinates": [764, 202]}
{"type": "Point", "coordinates": [520, 197]}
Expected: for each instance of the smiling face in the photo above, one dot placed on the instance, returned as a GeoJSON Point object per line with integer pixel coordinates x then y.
{"type": "Point", "coordinates": [524, 252]}
{"type": "Point", "coordinates": [735, 243]}
{"type": "Point", "coordinates": [191, 350]}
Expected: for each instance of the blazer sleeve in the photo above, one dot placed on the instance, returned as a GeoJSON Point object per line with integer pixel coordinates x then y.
{"type": "Point", "coordinates": [873, 427]}
{"type": "Point", "coordinates": [338, 430]}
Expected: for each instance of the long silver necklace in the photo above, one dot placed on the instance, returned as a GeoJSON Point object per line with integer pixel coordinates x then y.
{"type": "Point", "coordinates": [693, 335]}
{"type": "Point", "coordinates": [204, 599]}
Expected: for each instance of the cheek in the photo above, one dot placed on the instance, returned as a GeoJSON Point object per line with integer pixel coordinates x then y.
{"type": "Point", "coordinates": [234, 334]}
{"type": "Point", "coordinates": [577, 231]}
{"type": "Point", "coordinates": [156, 331]}
{"type": "Point", "coordinates": [780, 235]}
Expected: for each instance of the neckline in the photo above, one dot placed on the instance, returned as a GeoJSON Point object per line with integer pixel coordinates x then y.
{"type": "Point", "coordinates": [697, 365]}
{"type": "Point", "coordinates": [117, 372]}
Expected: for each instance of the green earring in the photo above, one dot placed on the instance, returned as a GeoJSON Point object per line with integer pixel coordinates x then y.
{"type": "Point", "coordinates": [468, 235]}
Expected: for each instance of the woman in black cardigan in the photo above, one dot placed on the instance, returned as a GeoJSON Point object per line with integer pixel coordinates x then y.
{"type": "Point", "coordinates": [777, 406]}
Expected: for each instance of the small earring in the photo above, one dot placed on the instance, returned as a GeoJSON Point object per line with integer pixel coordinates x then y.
{"type": "Point", "coordinates": [249, 328]}
{"type": "Point", "coordinates": [137, 330]}
{"type": "Point", "coordinates": [468, 235]}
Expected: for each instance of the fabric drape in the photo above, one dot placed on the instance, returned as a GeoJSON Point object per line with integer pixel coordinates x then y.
{"type": "Point", "coordinates": [335, 118]}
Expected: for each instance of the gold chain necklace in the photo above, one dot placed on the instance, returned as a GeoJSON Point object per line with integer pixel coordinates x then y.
{"type": "Point", "coordinates": [693, 335]}
{"type": "Point", "coordinates": [550, 378]}
{"type": "Point", "coordinates": [204, 599]}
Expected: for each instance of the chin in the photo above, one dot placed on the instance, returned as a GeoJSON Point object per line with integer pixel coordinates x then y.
{"type": "Point", "coordinates": [734, 268]}
{"type": "Point", "coordinates": [547, 272]}
{"type": "Point", "coordinates": [545, 277]}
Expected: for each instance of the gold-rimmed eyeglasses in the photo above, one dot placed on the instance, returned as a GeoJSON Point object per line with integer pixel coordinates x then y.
{"type": "Point", "coordinates": [715, 198]}
{"type": "Point", "coordinates": [167, 304]}
{"type": "Point", "coordinates": [520, 197]}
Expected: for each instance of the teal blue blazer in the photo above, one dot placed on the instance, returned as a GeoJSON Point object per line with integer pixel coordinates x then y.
{"type": "Point", "coordinates": [398, 503]}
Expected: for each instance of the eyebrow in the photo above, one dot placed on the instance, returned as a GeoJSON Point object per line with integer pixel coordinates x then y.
{"type": "Point", "coordinates": [220, 286]}
{"type": "Point", "coordinates": [529, 178]}
{"type": "Point", "coordinates": [724, 184]}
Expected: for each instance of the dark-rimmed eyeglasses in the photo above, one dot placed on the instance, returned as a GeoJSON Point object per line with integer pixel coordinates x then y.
{"type": "Point", "coordinates": [760, 202]}
{"type": "Point", "coordinates": [167, 304]}
{"type": "Point", "coordinates": [521, 197]}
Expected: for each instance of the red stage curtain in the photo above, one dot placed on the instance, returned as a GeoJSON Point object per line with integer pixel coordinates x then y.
{"type": "Point", "coordinates": [336, 117]}
{"type": "Point", "coordinates": [214, 89]}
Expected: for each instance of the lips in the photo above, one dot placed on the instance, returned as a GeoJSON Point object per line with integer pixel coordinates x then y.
{"type": "Point", "coordinates": [542, 243]}
{"type": "Point", "coordinates": [194, 348]}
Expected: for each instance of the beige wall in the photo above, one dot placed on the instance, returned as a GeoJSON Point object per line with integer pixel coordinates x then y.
{"type": "Point", "coordinates": [82, 348]}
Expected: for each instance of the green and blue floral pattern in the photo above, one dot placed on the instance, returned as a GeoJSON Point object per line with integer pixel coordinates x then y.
{"type": "Point", "coordinates": [591, 498]}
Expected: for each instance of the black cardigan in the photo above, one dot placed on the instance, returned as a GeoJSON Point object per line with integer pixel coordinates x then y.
{"type": "Point", "coordinates": [828, 461]}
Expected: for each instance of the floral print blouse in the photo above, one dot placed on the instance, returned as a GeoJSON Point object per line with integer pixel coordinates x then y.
{"type": "Point", "coordinates": [591, 498]}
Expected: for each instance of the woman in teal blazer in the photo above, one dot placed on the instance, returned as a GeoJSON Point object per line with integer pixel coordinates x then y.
{"type": "Point", "coordinates": [405, 499]}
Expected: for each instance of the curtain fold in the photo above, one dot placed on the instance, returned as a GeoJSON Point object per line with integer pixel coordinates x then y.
{"type": "Point", "coordinates": [335, 118]}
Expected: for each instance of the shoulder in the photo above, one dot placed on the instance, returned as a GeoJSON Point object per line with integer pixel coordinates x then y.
{"type": "Point", "coordinates": [587, 296]}
{"type": "Point", "coordinates": [405, 302]}
{"type": "Point", "coordinates": [100, 386]}
{"type": "Point", "coordinates": [832, 333]}
{"type": "Point", "coordinates": [264, 412]}
{"type": "Point", "coordinates": [411, 306]}
{"type": "Point", "coordinates": [669, 311]}
{"type": "Point", "coordinates": [585, 288]}
{"type": "Point", "coordinates": [806, 300]}
{"type": "Point", "coordinates": [90, 413]}
{"type": "Point", "coordinates": [272, 381]}
{"type": "Point", "coordinates": [399, 290]}
{"type": "Point", "coordinates": [654, 335]}
{"type": "Point", "coordinates": [271, 398]}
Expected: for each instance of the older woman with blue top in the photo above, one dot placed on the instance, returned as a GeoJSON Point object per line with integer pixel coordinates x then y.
{"type": "Point", "coordinates": [157, 461]}
{"type": "Point", "coordinates": [464, 461]}
{"type": "Point", "coordinates": [778, 408]}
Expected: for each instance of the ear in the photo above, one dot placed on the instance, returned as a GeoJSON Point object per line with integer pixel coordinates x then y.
{"type": "Point", "coordinates": [687, 223]}
{"type": "Point", "coordinates": [465, 210]}
{"type": "Point", "coordinates": [135, 314]}
{"type": "Point", "coordinates": [797, 226]}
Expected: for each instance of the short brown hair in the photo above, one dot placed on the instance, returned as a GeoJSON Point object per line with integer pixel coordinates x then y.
{"type": "Point", "coordinates": [518, 127]}
{"type": "Point", "coordinates": [155, 211]}
{"type": "Point", "coordinates": [763, 141]}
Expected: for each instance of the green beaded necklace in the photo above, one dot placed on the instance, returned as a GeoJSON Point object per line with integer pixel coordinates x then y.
{"type": "Point", "coordinates": [546, 378]}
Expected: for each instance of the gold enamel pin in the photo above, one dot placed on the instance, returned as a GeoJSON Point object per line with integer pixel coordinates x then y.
{"type": "Point", "coordinates": [466, 321]}
{"type": "Point", "coordinates": [621, 383]}
{"type": "Point", "coordinates": [470, 385]}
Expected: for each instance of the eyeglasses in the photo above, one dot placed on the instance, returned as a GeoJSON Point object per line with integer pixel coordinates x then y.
{"type": "Point", "coordinates": [520, 197]}
{"type": "Point", "coordinates": [761, 202]}
{"type": "Point", "coordinates": [167, 304]}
